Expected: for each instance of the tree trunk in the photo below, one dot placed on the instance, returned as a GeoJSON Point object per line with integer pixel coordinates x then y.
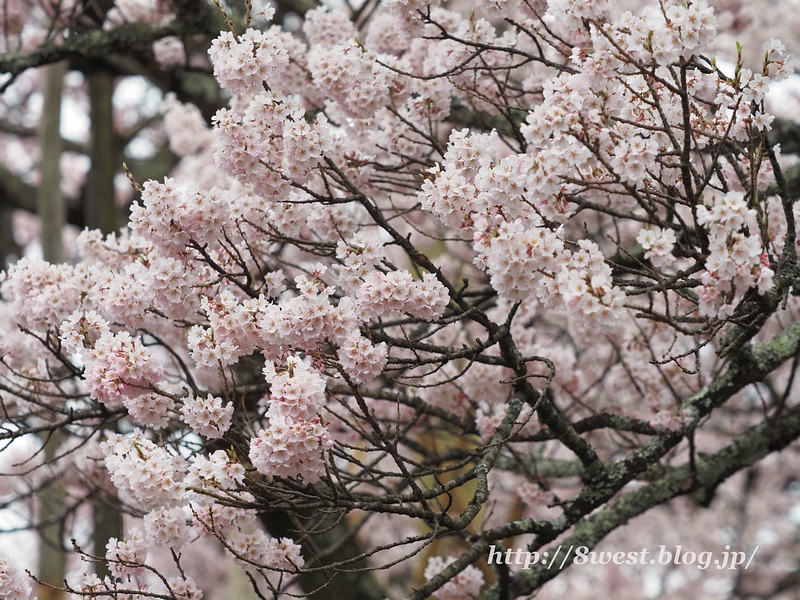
{"type": "Point", "coordinates": [52, 213]}
{"type": "Point", "coordinates": [50, 202]}
{"type": "Point", "coordinates": [52, 558]}
{"type": "Point", "coordinates": [9, 249]}
{"type": "Point", "coordinates": [100, 211]}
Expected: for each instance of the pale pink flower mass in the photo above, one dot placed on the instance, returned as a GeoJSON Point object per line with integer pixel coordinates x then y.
{"type": "Point", "coordinates": [452, 267]}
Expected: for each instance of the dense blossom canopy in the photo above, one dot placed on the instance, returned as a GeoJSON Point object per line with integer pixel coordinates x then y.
{"type": "Point", "coordinates": [419, 260]}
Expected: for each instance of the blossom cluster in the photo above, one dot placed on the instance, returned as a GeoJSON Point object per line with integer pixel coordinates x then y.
{"type": "Point", "coordinates": [41, 295]}
{"type": "Point", "coordinates": [89, 585]}
{"type": "Point", "coordinates": [259, 550]}
{"type": "Point", "coordinates": [361, 359]}
{"type": "Point", "coordinates": [220, 520]}
{"type": "Point", "coordinates": [385, 294]}
{"type": "Point", "coordinates": [352, 77]}
{"type": "Point", "coordinates": [467, 584]}
{"type": "Point", "coordinates": [126, 557]}
{"type": "Point", "coordinates": [184, 124]}
{"type": "Point", "coordinates": [143, 470]}
{"type": "Point", "coordinates": [290, 448]}
{"type": "Point", "coordinates": [296, 229]}
{"type": "Point", "coordinates": [294, 444]}
{"type": "Point", "coordinates": [665, 36]}
{"type": "Point", "coordinates": [207, 416]}
{"type": "Point", "coordinates": [169, 52]}
{"type": "Point", "coordinates": [359, 256]}
{"type": "Point", "coordinates": [120, 366]}
{"type": "Point", "coordinates": [171, 490]}
{"type": "Point", "coordinates": [658, 245]}
{"type": "Point", "coordinates": [167, 527]}
{"type": "Point", "coordinates": [535, 261]}
{"type": "Point", "coordinates": [242, 64]}
{"type": "Point", "coordinates": [13, 583]}
{"type": "Point", "coordinates": [737, 261]}
{"type": "Point", "coordinates": [216, 470]}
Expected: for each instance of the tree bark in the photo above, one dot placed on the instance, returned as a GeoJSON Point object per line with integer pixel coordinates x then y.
{"type": "Point", "coordinates": [52, 558]}
{"type": "Point", "coordinates": [9, 249]}
{"type": "Point", "coordinates": [100, 211]}
{"type": "Point", "coordinates": [52, 213]}
{"type": "Point", "coordinates": [50, 202]}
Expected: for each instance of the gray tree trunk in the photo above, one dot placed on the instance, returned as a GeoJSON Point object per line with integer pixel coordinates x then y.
{"type": "Point", "coordinates": [50, 202]}
{"type": "Point", "coordinates": [52, 212]}
{"type": "Point", "coordinates": [100, 211]}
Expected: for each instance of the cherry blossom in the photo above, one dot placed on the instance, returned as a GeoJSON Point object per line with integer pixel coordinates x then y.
{"type": "Point", "coordinates": [207, 416]}
{"type": "Point", "coordinates": [466, 584]}
{"type": "Point", "coordinates": [468, 273]}
{"type": "Point", "coordinates": [13, 583]}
